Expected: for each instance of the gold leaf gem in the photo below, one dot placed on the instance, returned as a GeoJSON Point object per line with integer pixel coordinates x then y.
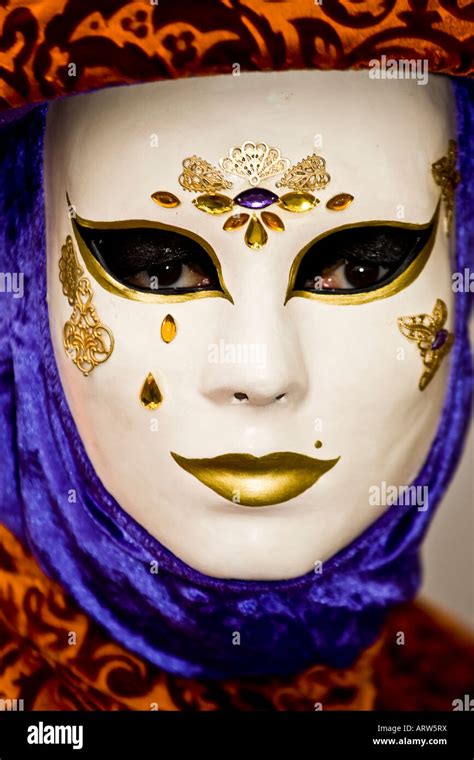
{"type": "Point", "coordinates": [273, 221]}
{"type": "Point", "coordinates": [214, 204]}
{"type": "Point", "coordinates": [235, 221]}
{"type": "Point", "coordinates": [168, 329]}
{"type": "Point", "coordinates": [165, 199]}
{"type": "Point", "coordinates": [340, 201]}
{"type": "Point", "coordinates": [150, 395]}
{"type": "Point", "coordinates": [298, 202]}
{"type": "Point", "coordinates": [255, 234]}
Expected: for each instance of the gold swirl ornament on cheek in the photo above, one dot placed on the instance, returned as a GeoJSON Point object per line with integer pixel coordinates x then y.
{"type": "Point", "coordinates": [433, 340]}
{"type": "Point", "coordinates": [87, 341]}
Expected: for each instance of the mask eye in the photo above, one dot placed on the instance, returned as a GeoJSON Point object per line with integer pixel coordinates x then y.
{"type": "Point", "coordinates": [151, 259]}
{"type": "Point", "coordinates": [361, 259]}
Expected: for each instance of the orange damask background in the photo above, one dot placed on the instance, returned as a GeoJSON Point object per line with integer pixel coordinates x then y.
{"type": "Point", "coordinates": [116, 42]}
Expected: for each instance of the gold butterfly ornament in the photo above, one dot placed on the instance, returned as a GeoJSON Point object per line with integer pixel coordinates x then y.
{"type": "Point", "coordinates": [433, 339]}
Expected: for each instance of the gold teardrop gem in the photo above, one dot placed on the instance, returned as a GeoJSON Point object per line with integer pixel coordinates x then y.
{"type": "Point", "coordinates": [214, 204]}
{"type": "Point", "coordinates": [273, 221]}
{"type": "Point", "coordinates": [255, 234]}
{"type": "Point", "coordinates": [235, 221]}
{"type": "Point", "coordinates": [340, 201]}
{"type": "Point", "coordinates": [298, 201]}
{"type": "Point", "coordinates": [150, 395]}
{"type": "Point", "coordinates": [165, 199]}
{"type": "Point", "coordinates": [168, 329]}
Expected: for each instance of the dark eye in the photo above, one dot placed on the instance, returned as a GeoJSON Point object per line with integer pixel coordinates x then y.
{"type": "Point", "coordinates": [359, 259]}
{"type": "Point", "coordinates": [152, 260]}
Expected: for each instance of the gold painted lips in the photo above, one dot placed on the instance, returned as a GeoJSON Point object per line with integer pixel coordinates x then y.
{"type": "Point", "coordinates": [257, 481]}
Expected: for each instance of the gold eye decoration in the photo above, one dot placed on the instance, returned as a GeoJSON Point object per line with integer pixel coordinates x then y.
{"type": "Point", "coordinates": [108, 251]}
{"type": "Point", "coordinates": [447, 177]}
{"type": "Point", "coordinates": [150, 394]}
{"type": "Point", "coordinates": [256, 162]}
{"type": "Point", "coordinates": [86, 340]}
{"type": "Point", "coordinates": [433, 340]}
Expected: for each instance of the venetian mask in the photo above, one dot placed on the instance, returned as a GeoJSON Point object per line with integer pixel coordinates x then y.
{"type": "Point", "coordinates": [250, 303]}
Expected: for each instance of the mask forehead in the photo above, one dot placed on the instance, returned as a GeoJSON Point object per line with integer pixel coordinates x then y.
{"type": "Point", "coordinates": [378, 138]}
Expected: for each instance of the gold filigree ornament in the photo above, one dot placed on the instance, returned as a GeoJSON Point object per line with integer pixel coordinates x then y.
{"type": "Point", "coordinates": [200, 176]}
{"type": "Point", "coordinates": [254, 162]}
{"type": "Point", "coordinates": [433, 340]}
{"type": "Point", "coordinates": [447, 177]}
{"type": "Point", "coordinates": [307, 175]}
{"type": "Point", "coordinates": [87, 341]}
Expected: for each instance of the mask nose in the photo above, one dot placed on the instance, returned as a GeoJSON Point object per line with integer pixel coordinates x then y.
{"type": "Point", "coordinates": [256, 365]}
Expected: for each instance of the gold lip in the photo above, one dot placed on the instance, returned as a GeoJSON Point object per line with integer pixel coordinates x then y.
{"type": "Point", "coordinates": [111, 285]}
{"type": "Point", "coordinates": [405, 279]}
{"type": "Point", "coordinates": [257, 481]}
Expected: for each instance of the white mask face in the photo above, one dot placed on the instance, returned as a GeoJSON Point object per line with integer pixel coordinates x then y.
{"type": "Point", "coordinates": [291, 354]}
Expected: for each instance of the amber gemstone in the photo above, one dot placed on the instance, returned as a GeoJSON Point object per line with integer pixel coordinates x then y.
{"type": "Point", "coordinates": [214, 204]}
{"type": "Point", "coordinates": [273, 221]}
{"type": "Point", "coordinates": [168, 329]}
{"type": "Point", "coordinates": [165, 199]}
{"type": "Point", "coordinates": [340, 202]}
{"type": "Point", "coordinates": [235, 221]}
{"type": "Point", "coordinates": [298, 201]}
{"type": "Point", "coordinates": [150, 395]}
{"type": "Point", "coordinates": [255, 234]}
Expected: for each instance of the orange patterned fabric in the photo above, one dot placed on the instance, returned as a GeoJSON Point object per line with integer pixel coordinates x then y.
{"type": "Point", "coordinates": [54, 657]}
{"type": "Point", "coordinates": [55, 47]}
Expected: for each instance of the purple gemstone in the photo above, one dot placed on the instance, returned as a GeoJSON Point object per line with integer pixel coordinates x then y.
{"type": "Point", "coordinates": [440, 339]}
{"type": "Point", "coordinates": [255, 197]}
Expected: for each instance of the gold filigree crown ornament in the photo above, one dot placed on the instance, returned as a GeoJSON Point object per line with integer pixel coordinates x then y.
{"type": "Point", "coordinates": [254, 162]}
